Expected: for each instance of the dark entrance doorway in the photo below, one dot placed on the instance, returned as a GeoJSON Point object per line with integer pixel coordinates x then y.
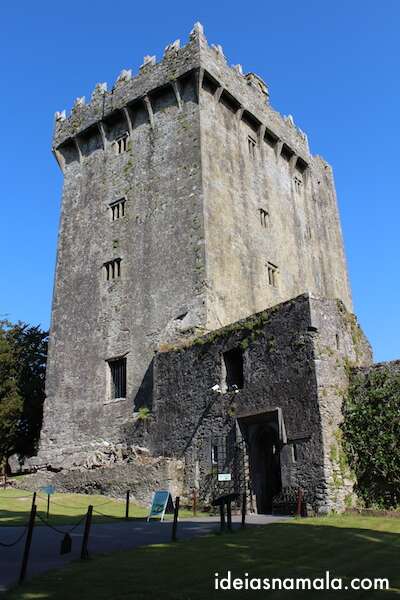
{"type": "Point", "coordinates": [265, 467]}
{"type": "Point", "coordinates": [263, 434]}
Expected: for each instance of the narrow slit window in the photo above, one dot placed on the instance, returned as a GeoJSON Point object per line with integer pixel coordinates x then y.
{"type": "Point", "coordinates": [118, 377]}
{"type": "Point", "coordinates": [295, 455]}
{"type": "Point", "coordinates": [121, 144]}
{"type": "Point", "coordinates": [214, 455]}
{"type": "Point", "coordinates": [264, 217]}
{"type": "Point", "coordinates": [112, 269]}
{"type": "Point", "coordinates": [117, 209]}
{"type": "Point", "coordinates": [272, 274]}
{"type": "Point", "coordinates": [251, 145]}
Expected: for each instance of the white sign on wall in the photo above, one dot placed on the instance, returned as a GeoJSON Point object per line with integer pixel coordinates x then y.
{"type": "Point", "coordinates": [224, 477]}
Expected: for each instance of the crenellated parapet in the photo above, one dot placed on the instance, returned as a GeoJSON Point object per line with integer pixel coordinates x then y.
{"type": "Point", "coordinates": [204, 65]}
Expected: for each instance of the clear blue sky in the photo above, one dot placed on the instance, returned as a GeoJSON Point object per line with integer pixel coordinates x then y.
{"type": "Point", "coordinates": [333, 65]}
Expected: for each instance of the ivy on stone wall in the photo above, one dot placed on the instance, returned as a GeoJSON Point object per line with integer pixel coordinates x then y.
{"type": "Point", "coordinates": [371, 435]}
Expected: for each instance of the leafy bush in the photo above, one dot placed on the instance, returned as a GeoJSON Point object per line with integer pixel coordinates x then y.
{"type": "Point", "coordinates": [144, 414]}
{"type": "Point", "coordinates": [371, 434]}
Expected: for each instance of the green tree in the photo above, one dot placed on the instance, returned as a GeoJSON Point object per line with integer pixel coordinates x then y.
{"type": "Point", "coordinates": [11, 403]}
{"type": "Point", "coordinates": [372, 436]}
{"type": "Point", "coordinates": [22, 376]}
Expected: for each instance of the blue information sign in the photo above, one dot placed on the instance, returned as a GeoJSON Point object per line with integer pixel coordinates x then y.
{"type": "Point", "coordinates": [161, 501]}
{"type": "Point", "coordinates": [48, 489]}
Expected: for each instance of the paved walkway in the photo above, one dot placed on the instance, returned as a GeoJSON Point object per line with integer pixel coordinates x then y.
{"type": "Point", "coordinates": [45, 549]}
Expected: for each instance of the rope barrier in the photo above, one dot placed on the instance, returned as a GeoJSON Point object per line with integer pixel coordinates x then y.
{"type": "Point", "coordinates": [19, 538]}
{"type": "Point", "coordinates": [70, 530]}
{"type": "Point", "coordinates": [14, 497]}
{"type": "Point", "coordinates": [56, 503]}
{"type": "Point", "coordinates": [108, 516]}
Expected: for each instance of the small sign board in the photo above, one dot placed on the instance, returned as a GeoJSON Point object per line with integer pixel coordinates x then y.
{"type": "Point", "coordinates": [49, 490]}
{"type": "Point", "coordinates": [161, 503]}
{"type": "Point", "coordinates": [224, 477]}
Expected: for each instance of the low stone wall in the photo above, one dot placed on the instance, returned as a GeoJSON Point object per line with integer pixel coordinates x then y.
{"type": "Point", "coordinates": [141, 477]}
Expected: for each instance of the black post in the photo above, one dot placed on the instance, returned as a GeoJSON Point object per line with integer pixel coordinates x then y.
{"type": "Point", "coordinates": [222, 517]}
{"type": "Point", "coordinates": [194, 502]}
{"type": "Point", "coordinates": [33, 500]}
{"type": "Point", "coordinates": [175, 523]}
{"type": "Point", "coordinates": [229, 514]}
{"type": "Point", "coordinates": [299, 502]}
{"type": "Point", "coordinates": [85, 540]}
{"type": "Point", "coordinates": [127, 506]}
{"type": "Point", "coordinates": [28, 542]}
{"type": "Point", "coordinates": [243, 509]}
{"type": "Point", "coordinates": [48, 506]}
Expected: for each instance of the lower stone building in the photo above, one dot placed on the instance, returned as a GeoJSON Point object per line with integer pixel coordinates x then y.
{"type": "Point", "coordinates": [253, 407]}
{"type": "Point", "coordinates": [260, 403]}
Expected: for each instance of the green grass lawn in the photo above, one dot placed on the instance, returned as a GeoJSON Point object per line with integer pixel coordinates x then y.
{"type": "Point", "coordinates": [347, 546]}
{"type": "Point", "coordinates": [66, 509]}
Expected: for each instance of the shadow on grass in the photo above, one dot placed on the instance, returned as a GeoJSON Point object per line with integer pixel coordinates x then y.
{"type": "Point", "coordinates": [19, 518]}
{"type": "Point", "coordinates": [186, 570]}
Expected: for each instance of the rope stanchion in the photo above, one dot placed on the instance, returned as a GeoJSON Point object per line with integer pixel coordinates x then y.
{"type": "Point", "coordinates": [85, 539]}
{"type": "Point", "coordinates": [127, 505]}
{"type": "Point", "coordinates": [244, 507]}
{"type": "Point", "coordinates": [175, 522]}
{"type": "Point", "coordinates": [28, 542]}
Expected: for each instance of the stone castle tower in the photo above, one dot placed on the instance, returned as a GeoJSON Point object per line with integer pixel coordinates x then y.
{"type": "Point", "coordinates": [188, 203]}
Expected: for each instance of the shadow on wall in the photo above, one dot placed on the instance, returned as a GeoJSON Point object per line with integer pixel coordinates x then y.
{"type": "Point", "coordinates": [144, 396]}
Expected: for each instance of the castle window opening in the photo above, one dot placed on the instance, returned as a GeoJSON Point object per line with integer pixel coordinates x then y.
{"type": "Point", "coordinates": [264, 217]}
{"type": "Point", "coordinates": [294, 453]}
{"type": "Point", "coordinates": [112, 269]}
{"type": "Point", "coordinates": [214, 455]}
{"type": "Point", "coordinates": [270, 138]}
{"type": "Point", "coordinates": [286, 152]}
{"type": "Point", "coordinates": [272, 274]}
{"type": "Point", "coordinates": [117, 209]}
{"type": "Point", "coordinates": [232, 370]}
{"type": "Point", "coordinates": [251, 144]}
{"type": "Point", "coordinates": [337, 341]}
{"type": "Point", "coordinates": [118, 377]}
{"type": "Point", "coordinates": [301, 165]}
{"type": "Point", "coordinates": [121, 144]}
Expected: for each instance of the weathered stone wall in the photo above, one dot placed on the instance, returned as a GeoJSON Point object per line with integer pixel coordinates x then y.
{"type": "Point", "coordinates": [339, 345]}
{"type": "Point", "coordinates": [193, 252]}
{"type": "Point", "coordinates": [295, 358]}
{"type": "Point", "coordinates": [160, 290]}
{"type": "Point", "coordinates": [303, 235]}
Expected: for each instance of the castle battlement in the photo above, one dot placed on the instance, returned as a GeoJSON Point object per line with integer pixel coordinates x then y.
{"type": "Point", "coordinates": [247, 95]}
